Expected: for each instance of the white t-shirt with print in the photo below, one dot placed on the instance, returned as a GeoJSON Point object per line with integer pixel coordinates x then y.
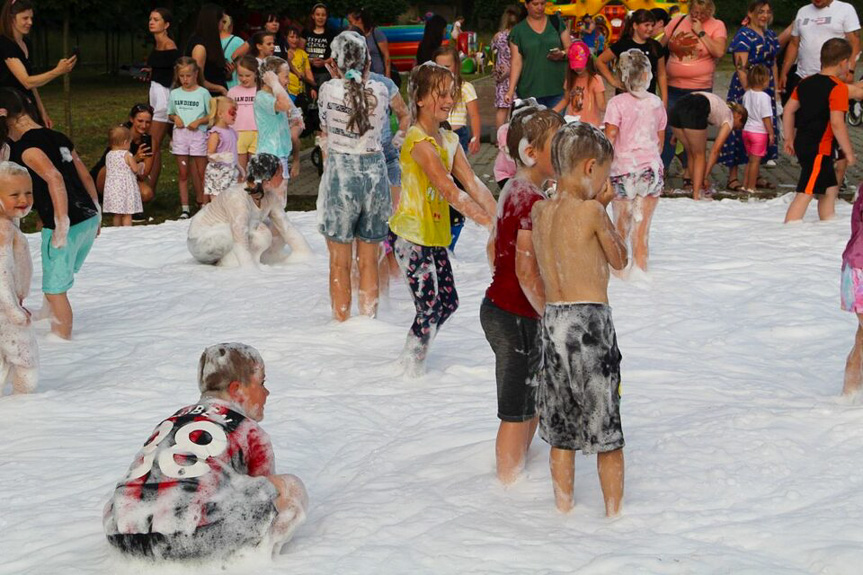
{"type": "Point", "coordinates": [814, 26]}
{"type": "Point", "coordinates": [758, 107]}
{"type": "Point", "coordinates": [335, 112]}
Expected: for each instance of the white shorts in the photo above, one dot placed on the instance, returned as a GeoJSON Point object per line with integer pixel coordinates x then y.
{"type": "Point", "coordinates": [159, 102]}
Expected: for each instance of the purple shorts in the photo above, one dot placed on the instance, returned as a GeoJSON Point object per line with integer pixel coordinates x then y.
{"type": "Point", "coordinates": [755, 144]}
{"type": "Point", "coordinates": [189, 143]}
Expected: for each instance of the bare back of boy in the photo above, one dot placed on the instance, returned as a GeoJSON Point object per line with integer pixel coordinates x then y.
{"type": "Point", "coordinates": [575, 242]}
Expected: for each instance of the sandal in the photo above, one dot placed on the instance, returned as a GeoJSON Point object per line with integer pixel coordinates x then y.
{"type": "Point", "coordinates": [764, 184]}
{"type": "Point", "coordinates": [687, 184]}
{"type": "Point", "coordinates": [733, 185]}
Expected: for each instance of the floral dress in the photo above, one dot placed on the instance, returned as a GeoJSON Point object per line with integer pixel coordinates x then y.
{"type": "Point", "coordinates": [762, 50]}
{"type": "Point", "coordinates": [500, 44]}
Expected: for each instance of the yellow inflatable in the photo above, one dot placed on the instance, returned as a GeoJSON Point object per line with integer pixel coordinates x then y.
{"type": "Point", "coordinates": [593, 7]}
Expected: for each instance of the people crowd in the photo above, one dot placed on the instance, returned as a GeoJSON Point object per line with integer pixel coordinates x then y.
{"type": "Point", "coordinates": [235, 110]}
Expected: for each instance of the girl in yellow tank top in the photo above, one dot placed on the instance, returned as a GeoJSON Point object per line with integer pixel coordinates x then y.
{"type": "Point", "coordinates": [420, 227]}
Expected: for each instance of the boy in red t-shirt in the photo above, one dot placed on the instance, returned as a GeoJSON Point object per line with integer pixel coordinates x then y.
{"type": "Point", "coordinates": [510, 312]}
{"type": "Point", "coordinates": [813, 117]}
{"type": "Point", "coordinates": [204, 484]}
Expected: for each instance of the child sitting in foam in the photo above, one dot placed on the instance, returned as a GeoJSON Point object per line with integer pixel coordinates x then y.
{"type": "Point", "coordinates": [19, 357]}
{"type": "Point", "coordinates": [635, 125]}
{"type": "Point", "coordinates": [575, 243]}
{"type": "Point", "coordinates": [247, 223]}
{"type": "Point", "coordinates": [204, 484]}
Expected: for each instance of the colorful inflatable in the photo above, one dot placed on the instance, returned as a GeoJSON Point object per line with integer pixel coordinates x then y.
{"type": "Point", "coordinates": [404, 42]}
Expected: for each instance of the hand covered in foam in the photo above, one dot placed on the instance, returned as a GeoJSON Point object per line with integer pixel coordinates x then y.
{"type": "Point", "coordinates": [399, 139]}
{"type": "Point", "coordinates": [271, 80]}
{"type": "Point", "coordinates": [606, 194]}
{"type": "Point", "coordinates": [61, 230]}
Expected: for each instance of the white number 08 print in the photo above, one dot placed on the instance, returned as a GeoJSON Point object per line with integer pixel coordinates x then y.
{"type": "Point", "coordinates": [183, 445]}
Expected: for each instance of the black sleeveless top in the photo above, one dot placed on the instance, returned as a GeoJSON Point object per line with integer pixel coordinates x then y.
{"type": "Point", "coordinates": [161, 64]}
{"type": "Point", "coordinates": [213, 73]}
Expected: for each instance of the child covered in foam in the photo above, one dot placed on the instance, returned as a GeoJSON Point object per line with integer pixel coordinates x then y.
{"type": "Point", "coordinates": [247, 224]}
{"type": "Point", "coordinates": [575, 242]}
{"type": "Point", "coordinates": [19, 357]}
{"type": "Point", "coordinates": [204, 483]}
{"type": "Point", "coordinates": [635, 124]}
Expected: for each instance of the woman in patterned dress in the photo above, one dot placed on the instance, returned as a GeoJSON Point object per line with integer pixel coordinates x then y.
{"type": "Point", "coordinates": [500, 45]}
{"type": "Point", "coordinates": [754, 43]}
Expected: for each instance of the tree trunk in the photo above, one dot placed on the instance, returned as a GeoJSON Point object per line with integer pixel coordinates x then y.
{"type": "Point", "coordinates": [67, 83]}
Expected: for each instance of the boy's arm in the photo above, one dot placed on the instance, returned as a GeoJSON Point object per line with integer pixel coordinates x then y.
{"type": "Point", "coordinates": [790, 59]}
{"type": "Point", "coordinates": [613, 246]}
{"type": "Point", "coordinates": [788, 129]}
{"type": "Point", "coordinates": [36, 160]}
{"type": "Point", "coordinates": [10, 306]}
{"type": "Point", "coordinates": [527, 271]}
{"type": "Point", "coordinates": [840, 132]}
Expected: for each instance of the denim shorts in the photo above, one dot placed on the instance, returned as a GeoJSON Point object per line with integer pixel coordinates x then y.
{"type": "Point", "coordinates": [354, 198]}
{"type": "Point", "coordinates": [394, 170]}
{"type": "Point", "coordinates": [59, 265]}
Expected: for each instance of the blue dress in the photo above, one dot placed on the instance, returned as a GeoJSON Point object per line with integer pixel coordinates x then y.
{"type": "Point", "coordinates": [762, 50]}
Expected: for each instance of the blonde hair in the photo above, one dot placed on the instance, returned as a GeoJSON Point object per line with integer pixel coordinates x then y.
{"type": "Point", "coordinates": [217, 104]}
{"type": "Point", "coordinates": [182, 63]}
{"type": "Point", "coordinates": [119, 135]}
{"type": "Point", "coordinates": [739, 110]}
{"type": "Point", "coordinates": [453, 53]}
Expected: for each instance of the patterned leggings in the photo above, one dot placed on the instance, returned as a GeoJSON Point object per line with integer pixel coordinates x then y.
{"type": "Point", "coordinates": [429, 276]}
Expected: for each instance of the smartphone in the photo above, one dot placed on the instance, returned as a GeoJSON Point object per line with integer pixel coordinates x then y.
{"type": "Point", "coordinates": [147, 140]}
{"type": "Point", "coordinates": [75, 52]}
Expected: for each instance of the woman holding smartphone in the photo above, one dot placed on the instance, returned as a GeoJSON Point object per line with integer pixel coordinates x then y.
{"type": "Point", "coordinates": [139, 124]}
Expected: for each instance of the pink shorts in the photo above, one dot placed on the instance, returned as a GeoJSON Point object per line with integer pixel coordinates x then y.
{"type": "Point", "coordinates": [755, 144]}
{"type": "Point", "coordinates": [189, 142]}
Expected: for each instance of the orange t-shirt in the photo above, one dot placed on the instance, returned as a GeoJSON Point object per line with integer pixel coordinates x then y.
{"type": "Point", "coordinates": [690, 66]}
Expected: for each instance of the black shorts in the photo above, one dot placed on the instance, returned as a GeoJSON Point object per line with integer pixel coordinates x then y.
{"type": "Point", "coordinates": [816, 174]}
{"type": "Point", "coordinates": [690, 113]}
{"type": "Point", "coordinates": [514, 339]}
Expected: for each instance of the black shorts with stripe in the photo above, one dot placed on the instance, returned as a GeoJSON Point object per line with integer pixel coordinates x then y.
{"type": "Point", "coordinates": [816, 174]}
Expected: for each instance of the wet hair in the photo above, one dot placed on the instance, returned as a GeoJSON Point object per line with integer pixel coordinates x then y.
{"type": "Point", "coordinates": [661, 14]}
{"type": "Point", "coordinates": [12, 8]}
{"type": "Point", "coordinates": [509, 18]}
{"type": "Point", "coordinates": [738, 109]}
{"type": "Point", "coordinates": [224, 363]}
{"type": "Point", "coordinates": [635, 72]}
{"type": "Point", "coordinates": [250, 63]}
{"type": "Point", "coordinates": [13, 170]}
{"type": "Point", "coordinates": [453, 52]}
{"type": "Point", "coordinates": [258, 38]}
{"type": "Point", "coordinates": [119, 135]}
{"type": "Point", "coordinates": [640, 16]}
{"type": "Point", "coordinates": [271, 64]}
{"type": "Point", "coordinates": [532, 124]}
{"type": "Point", "coordinates": [350, 53]}
{"type": "Point", "coordinates": [576, 142]}
{"type": "Point", "coordinates": [218, 104]}
{"type": "Point", "coordinates": [425, 79]}
{"type": "Point", "coordinates": [166, 15]}
{"type": "Point", "coordinates": [182, 63]}
{"type": "Point", "coordinates": [207, 29]}
{"type": "Point", "coordinates": [758, 76]}
{"type": "Point", "coordinates": [261, 168]}
{"type": "Point", "coordinates": [834, 51]}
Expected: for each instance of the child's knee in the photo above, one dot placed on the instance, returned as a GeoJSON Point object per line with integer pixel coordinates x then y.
{"type": "Point", "coordinates": [292, 492]}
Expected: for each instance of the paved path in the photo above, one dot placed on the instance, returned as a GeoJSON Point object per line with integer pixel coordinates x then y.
{"type": "Point", "coordinates": [783, 176]}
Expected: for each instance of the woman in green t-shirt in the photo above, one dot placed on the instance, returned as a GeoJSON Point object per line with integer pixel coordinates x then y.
{"type": "Point", "coordinates": [539, 45]}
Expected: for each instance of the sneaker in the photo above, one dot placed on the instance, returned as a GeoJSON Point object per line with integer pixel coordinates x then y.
{"type": "Point", "coordinates": [139, 217]}
{"type": "Point", "coordinates": [185, 215]}
{"type": "Point", "coordinates": [770, 164]}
